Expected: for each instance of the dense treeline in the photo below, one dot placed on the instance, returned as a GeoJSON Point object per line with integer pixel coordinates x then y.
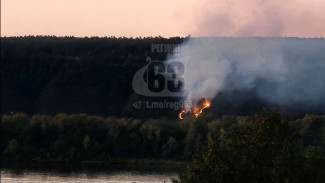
{"type": "Point", "coordinates": [266, 148]}
{"type": "Point", "coordinates": [80, 137]}
{"type": "Point", "coordinates": [49, 75]}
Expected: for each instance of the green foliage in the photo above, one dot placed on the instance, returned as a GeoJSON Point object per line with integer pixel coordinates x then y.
{"type": "Point", "coordinates": [86, 142]}
{"type": "Point", "coordinates": [264, 149]}
{"type": "Point", "coordinates": [79, 137]}
{"type": "Point", "coordinates": [13, 145]}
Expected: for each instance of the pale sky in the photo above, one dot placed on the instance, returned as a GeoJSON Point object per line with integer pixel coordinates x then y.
{"type": "Point", "coordinates": [299, 18]}
{"type": "Point", "coordinates": [94, 17]}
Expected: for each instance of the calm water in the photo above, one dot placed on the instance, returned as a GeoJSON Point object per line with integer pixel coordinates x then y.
{"type": "Point", "coordinates": [112, 177]}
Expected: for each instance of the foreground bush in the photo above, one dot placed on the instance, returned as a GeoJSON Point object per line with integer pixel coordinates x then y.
{"type": "Point", "coordinates": [264, 149]}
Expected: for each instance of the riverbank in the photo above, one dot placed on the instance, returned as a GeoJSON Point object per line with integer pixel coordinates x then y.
{"type": "Point", "coordinates": [97, 166]}
{"type": "Point", "coordinates": [85, 177]}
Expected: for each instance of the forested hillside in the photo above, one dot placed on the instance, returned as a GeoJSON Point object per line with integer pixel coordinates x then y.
{"type": "Point", "coordinates": [51, 75]}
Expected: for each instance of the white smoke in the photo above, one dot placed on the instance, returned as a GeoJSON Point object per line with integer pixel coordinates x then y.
{"type": "Point", "coordinates": [281, 71]}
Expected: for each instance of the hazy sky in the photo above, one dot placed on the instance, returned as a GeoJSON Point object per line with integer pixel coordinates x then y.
{"type": "Point", "coordinates": [300, 18]}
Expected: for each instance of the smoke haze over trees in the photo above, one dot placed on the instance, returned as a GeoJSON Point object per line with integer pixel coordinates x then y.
{"type": "Point", "coordinates": [49, 75]}
{"type": "Point", "coordinates": [283, 72]}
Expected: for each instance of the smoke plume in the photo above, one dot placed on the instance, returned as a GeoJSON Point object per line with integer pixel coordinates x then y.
{"type": "Point", "coordinates": [281, 71]}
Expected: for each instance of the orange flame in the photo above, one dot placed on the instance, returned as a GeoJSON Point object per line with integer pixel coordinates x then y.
{"type": "Point", "coordinates": [198, 111]}
{"type": "Point", "coordinates": [180, 114]}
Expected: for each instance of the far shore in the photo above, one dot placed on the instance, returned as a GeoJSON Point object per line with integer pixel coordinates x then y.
{"type": "Point", "coordinates": [96, 166]}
